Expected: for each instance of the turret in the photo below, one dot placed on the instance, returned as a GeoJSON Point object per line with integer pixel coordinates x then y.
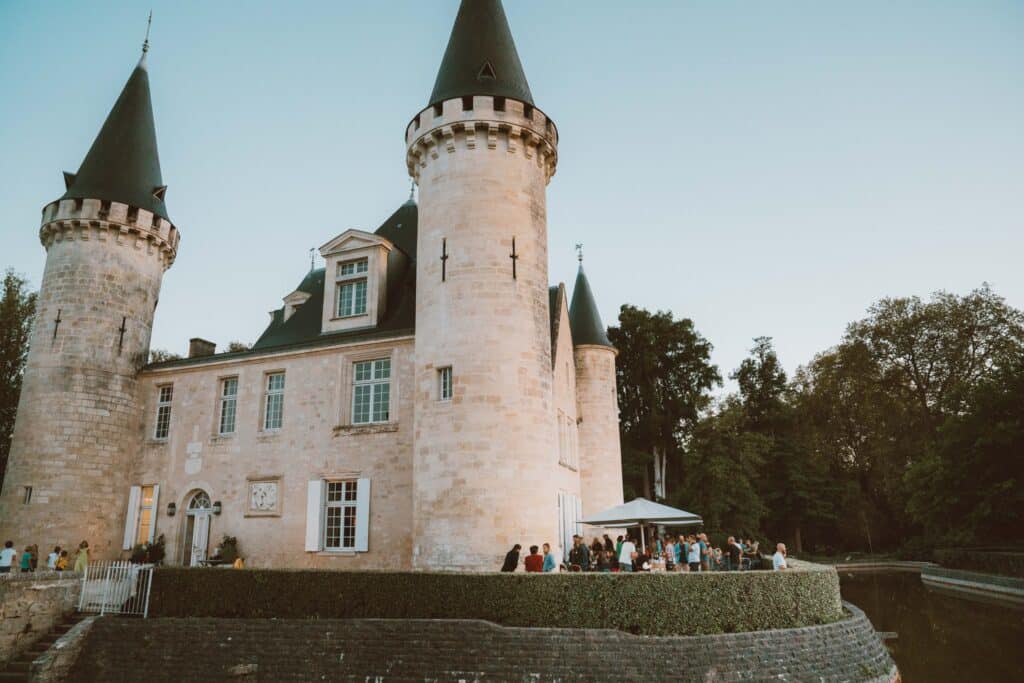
{"type": "Point", "coordinates": [596, 400]}
{"type": "Point", "coordinates": [108, 241]}
{"type": "Point", "coordinates": [482, 154]}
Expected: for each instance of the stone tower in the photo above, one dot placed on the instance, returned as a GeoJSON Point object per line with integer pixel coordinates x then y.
{"type": "Point", "coordinates": [597, 402]}
{"type": "Point", "coordinates": [482, 155]}
{"type": "Point", "coordinates": [108, 241]}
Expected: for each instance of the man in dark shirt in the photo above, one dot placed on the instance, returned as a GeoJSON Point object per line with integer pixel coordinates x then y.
{"type": "Point", "coordinates": [534, 561]}
{"type": "Point", "coordinates": [512, 559]}
{"type": "Point", "coordinates": [580, 554]}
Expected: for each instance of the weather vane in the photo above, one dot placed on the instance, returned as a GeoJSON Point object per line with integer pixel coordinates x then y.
{"type": "Point", "coordinates": [145, 43]}
{"type": "Point", "coordinates": [579, 252]}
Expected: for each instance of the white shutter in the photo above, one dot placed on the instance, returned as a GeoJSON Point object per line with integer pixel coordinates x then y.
{"type": "Point", "coordinates": [314, 502]}
{"type": "Point", "coordinates": [363, 515]}
{"type": "Point", "coordinates": [153, 512]}
{"type": "Point", "coordinates": [132, 517]}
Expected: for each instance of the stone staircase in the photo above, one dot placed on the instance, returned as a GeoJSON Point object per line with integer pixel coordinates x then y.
{"type": "Point", "coordinates": [18, 669]}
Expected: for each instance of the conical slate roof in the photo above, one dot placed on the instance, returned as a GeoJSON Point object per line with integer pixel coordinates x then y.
{"type": "Point", "coordinates": [123, 165]}
{"type": "Point", "coordinates": [584, 320]}
{"type": "Point", "coordinates": [481, 58]}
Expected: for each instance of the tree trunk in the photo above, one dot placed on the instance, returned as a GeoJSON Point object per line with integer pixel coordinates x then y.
{"type": "Point", "coordinates": [647, 481]}
{"type": "Point", "coordinates": [659, 473]}
{"type": "Point", "coordinates": [798, 542]}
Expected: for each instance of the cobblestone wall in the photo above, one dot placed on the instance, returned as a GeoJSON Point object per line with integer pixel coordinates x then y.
{"type": "Point", "coordinates": [30, 605]}
{"type": "Point", "coordinates": [393, 650]}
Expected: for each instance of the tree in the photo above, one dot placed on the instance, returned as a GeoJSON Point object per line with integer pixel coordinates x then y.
{"type": "Point", "coordinates": [762, 382]}
{"type": "Point", "coordinates": [237, 347]}
{"type": "Point", "coordinates": [664, 375]}
{"type": "Point", "coordinates": [162, 356]}
{"type": "Point", "coordinates": [17, 313]}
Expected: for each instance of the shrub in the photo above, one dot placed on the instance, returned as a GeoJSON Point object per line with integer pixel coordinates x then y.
{"type": "Point", "coordinates": [651, 604]}
{"type": "Point", "coordinates": [227, 551]}
{"type": "Point", "coordinates": [1004, 563]}
{"type": "Point", "coordinates": [149, 553]}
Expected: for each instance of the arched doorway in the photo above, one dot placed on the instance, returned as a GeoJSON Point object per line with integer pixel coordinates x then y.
{"type": "Point", "coordinates": [198, 513]}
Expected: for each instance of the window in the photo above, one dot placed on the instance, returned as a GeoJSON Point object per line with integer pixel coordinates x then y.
{"type": "Point", "coordinates": [145, 525]}
{"type": "Point", "coordinates": [228, 405]}
{"type": "Point", "coordinates": [340, 515]}
{"type": "Point", "coordinates": [352, 295]}
{"type": "Point", "coordinates": [273, 413]}
{"type": "Point", "coordinates": [163, 412]}
{"type": "Point", "coordinates": [27, 496]}
{"type": "Point", "coordinates": [371, 391]}
{"type": "Point", "coordinates": [444, 381]}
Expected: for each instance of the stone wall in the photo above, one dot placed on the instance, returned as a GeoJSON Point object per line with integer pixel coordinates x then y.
{"type": "Point", "coordinates": [316, 441]}
{"type": "Point", "coordinates": [30, 605]}
{"type": "Point", "coordinates": [382, 650]}
{"type": "Point", "coordinates": [77, 426]}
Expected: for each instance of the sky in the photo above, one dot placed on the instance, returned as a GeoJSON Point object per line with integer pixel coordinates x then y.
{"type": "Point", "coordinates": [763, 168]}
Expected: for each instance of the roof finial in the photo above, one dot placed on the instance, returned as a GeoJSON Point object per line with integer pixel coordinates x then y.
{"type": "Point", "coordinates": [579, 252]}
{"type": "Point", "coordinates": [145, 43]}
{"type": "Point", "coordinates": [312, 259]}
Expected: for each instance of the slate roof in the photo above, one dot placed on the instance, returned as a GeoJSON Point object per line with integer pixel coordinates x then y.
{"type": "Point", "coordinates": [123, 164]}
{"type": "Point", "coordinates": [584, 318]}
{"type": "Point", "coordinates": [481, 58]}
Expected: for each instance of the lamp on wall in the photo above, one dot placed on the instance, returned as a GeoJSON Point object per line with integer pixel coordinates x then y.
{"type": "Point", "coordinates": [171, 509]}
{"type": "Point", "coordinates": [216, 507]}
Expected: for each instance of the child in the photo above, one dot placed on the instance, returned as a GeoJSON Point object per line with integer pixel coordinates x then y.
{"type": "Point", "coordinates": [62, 561]}
{"type": "Point", "coordinates": [51, 560]}
{"type": "Point", "coordinates": [82, 561]}
{"type": "Point", "coordinates": [26, 560]}
{"type": "Point", "coordinates": [7, 557]}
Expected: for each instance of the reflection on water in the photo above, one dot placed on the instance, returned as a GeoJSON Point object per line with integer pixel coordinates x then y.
{"type": "Point", "coordinates": [941, 635]}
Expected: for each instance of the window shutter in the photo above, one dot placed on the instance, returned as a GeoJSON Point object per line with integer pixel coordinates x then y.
{"type": "Point", "coordinates": [153, 513]}
{"type": "Point", "coordinates": [363, 516]}
{"type": "Point", "coordinates": [132, 517]}
{"type": "Point", "coordinates": [314, 501]}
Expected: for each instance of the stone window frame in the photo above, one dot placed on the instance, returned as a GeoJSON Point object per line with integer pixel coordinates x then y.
{"type": "Point", "coordinates": [162, 426]}
{"type": "Point", "coordinates": [375, 385]}
{"type": "Point", "coordinates": [354, 246]}
{"type": "Point", "coordinates": [265, 401]}
{"type": "Point", "coordinates": [345, 387]}
{"type": "Point", "coordinates": [445, 383]}
{"type": "Point", "coordinates": [349, 485]}
{"type": "Point", "coordinates": [277, 479]}
{"type": "Point", "coordinates": [353, 278]}
{"type": "Point", "coordinates": [222, 399]}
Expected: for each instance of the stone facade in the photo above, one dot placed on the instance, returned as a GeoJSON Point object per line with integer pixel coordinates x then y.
{"type": "Point", "coordinates": [79, 415]}
{"type": "Point", "coordinates": [440, 650]}
{"type": "Point", "coordinates": [30, 605]}
{"type": "Point", "coordinates": [288, 447]}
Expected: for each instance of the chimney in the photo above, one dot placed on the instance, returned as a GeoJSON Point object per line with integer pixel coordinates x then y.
{"type": "Point", "coordinates": [197, 348]}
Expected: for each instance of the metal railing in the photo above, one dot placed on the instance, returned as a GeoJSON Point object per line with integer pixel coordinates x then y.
{"type": "Point", "coordinates": [116, 588]}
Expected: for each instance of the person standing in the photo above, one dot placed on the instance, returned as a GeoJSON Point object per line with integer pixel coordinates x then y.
{"type": "Point", "coordinates": [35, 556]}
{"type": "Point", "coordinates": [82, 560]}
{"type": "Point", "coordinates": [580, 554]}
{"type": "Point", "coordinates": [534, 562]}
{"type": "Point", "coordinates": [51, 560]}
{"type": "Point", "coordinates": [626, 552]}
{"type": "Point", "coordinates": [7, 557]}
{"type": "Point", "coordinates": [26, 560]}
{"type": "Point", "coordinates": [512, 559]}
{"type": "Point", "coordinates": [735, 554]}
{"type": "Point", "coordinates": [779, 558]}
{"type": "Point", "coordinates": [550, 561]}
{"type": "Point", "coordinates": [609, 545]}
{"type": "Point", "coordinates": [693, 555]}
{"type": "Point", "coordinates": [62, 561]}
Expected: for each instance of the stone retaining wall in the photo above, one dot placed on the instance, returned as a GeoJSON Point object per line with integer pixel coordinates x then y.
{"type": "Point", "coordinates": [450, 650]}
{"type": "Point", "coordinates": [30, 605]}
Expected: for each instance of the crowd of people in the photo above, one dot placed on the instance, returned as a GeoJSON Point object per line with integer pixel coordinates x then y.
{"type": "Point", "coordinates": [684, 553]}
{"type": "Point", "coordinates": [28, 561]}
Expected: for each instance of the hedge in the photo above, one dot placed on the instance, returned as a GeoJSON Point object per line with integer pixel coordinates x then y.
{"type": "Point", "coordinates": [1004, 563]}
{"type": "Point", "coordinates": [649, 604]}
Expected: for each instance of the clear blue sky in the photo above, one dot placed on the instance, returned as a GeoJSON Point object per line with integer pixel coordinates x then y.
{"type": "Point", "coordinates": [764, 168]}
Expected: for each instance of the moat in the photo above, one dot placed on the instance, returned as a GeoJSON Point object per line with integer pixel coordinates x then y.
{"type": "Point", "coordinates": [940, 636]}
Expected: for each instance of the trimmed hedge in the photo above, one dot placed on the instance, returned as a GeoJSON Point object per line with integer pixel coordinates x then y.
{"type": "Point", "coordinates": [1003, 563]}
{"type": "Point", "coordinates": [649, 604]}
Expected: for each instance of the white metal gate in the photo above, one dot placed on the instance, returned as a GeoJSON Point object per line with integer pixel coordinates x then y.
{"type": "Point", "coordinates": [116, 588]}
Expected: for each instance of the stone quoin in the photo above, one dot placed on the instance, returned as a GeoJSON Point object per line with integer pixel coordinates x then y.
{"type": "Point", "coordinates": [424, 401]}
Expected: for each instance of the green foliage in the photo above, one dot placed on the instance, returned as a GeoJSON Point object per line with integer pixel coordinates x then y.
{"type": "Point", "coordinates": [17, 311]}
{"type": "Point", "coordinates": [652, 604]}
{"type": "Point", "coordinates": [227, 551]}
{"type": "Point", "coordinates": [149, 553]}
{"type": "Point", "coordinates": [237, 347]}
{"type": "Point", "coordinates": [162, 355]}
{"type": "Point", "coordinates": [664, 375]}
{"type": "Point", "coordinates": [1002, 563]}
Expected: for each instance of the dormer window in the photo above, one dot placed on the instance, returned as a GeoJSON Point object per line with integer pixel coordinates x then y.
{"type": "Point", "coordinates": [355, 295]}
{"type": "Point", "coordinates": [352, 288]}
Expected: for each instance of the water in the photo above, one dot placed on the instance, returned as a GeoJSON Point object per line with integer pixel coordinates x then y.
{"type": "Point", "coordinates": [942, 636]}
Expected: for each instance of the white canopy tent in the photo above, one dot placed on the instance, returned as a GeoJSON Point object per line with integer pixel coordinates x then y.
{"type": "Point", "coordinates": [640, 512]}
